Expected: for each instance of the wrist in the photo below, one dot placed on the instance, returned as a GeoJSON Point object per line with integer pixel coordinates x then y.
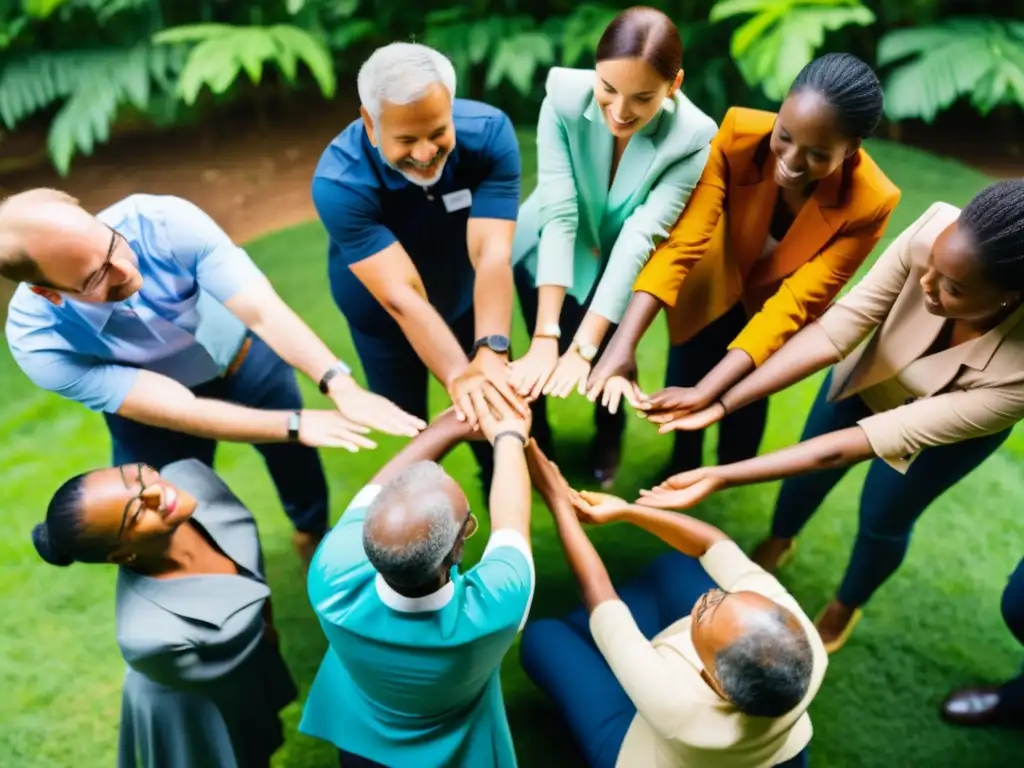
{"type": "Point", "coordinates": [341, 383]}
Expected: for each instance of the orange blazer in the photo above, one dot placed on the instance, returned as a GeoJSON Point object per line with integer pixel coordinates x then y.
{"type": "Point", "coordinates": [713, 256]}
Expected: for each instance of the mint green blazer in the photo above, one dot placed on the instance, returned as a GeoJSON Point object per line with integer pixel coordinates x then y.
{"type": "Point", "coordinates": [573, 230]}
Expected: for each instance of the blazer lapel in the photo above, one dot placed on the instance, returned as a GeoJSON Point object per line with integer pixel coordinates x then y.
{"type": "Point", "coordinates": [941, 368]}
{"type": "Point", "coordinates": [209, 599]}
{"type": "Point", "coordinates": [810, 231]}
{"type": "Point", "coordinates": [598, 151]}
{"type": "Point", "coordinates": [750, 207]}
{"type": "Point", "coordinates": [637, 158]}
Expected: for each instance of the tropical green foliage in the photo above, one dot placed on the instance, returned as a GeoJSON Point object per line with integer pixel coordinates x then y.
{"type": "Point", "coordinates": [82, 65]}
{"type": "Point", "coordinates": [782, 36]}
{"type": "Point", "coordinates": [978, 58]}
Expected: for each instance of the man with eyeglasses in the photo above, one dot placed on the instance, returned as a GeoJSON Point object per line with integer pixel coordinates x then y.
{"type": "Point", "coordinates": [150, 314]}
{"type": "Point", "coordinates": [412, 674]}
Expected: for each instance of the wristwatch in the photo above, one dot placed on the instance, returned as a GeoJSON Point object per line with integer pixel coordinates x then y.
{"type": "Point", "coordinates": [587, 351]}
{"type": "Point", "coordinates": [334, 370]}
{"type": "Point", "coordinates": [294, 422]}
{"type": "Point", "coordinates": [548, 331]}
{"type": "Point", "coordinates": [495, 342]}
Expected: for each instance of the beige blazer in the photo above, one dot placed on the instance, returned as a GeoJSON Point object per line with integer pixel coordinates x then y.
{"type": "Point", "coordinates": [966, 391]}
{"type": "Point", "coordinates": [680, 720]}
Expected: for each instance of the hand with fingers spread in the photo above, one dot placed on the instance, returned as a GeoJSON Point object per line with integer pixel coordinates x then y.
{"type": "Point", "coordinates": [373, 411]}
{"type": "Point", "coordinates": [570, 373]}
{"type": "Point", "coordinates": [597, 508]}
{"type": "Point", "coordinates": [685, 490]}
{"type": "Point", "coordinates": [329, 429]}
{"type": "Point", "coordinates": [671, 421]}
{"type": "Point", "coordinates": [614, 362]}
{"type": "Point", "coordinates": [619, 388]}
{"type": "Point", "coordinates": [531, 372]}
{"type": "Point", "coordinates": [488, 374]}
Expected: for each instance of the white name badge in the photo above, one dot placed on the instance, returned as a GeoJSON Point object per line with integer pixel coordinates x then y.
{"type": "Point", "coordinates": [457, 200]}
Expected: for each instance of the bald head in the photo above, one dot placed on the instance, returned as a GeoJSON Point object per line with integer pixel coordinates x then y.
{"type": "Point", "coordinates": [413, 524]}
{"type": "Point", "coordinates": [755, 650]}
{"type": "Point", "coordinates": [50, 242]}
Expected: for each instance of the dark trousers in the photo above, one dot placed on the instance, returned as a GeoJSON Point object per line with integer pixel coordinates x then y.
{"type": "Point", "coordinates": [1011, 694]}
{"type": "Point", "coordinates": [263, 381]}
{"type": "Point", "coordinates": [890, 502]}
{"type": "Point", "coordinates": [394, 370]}
{"type": "Point", "coordinates": [560, 656]}
{"type": "Point", "coordinates": [739, 433]}
{"type": "Point", "coordinates": [608, 426]}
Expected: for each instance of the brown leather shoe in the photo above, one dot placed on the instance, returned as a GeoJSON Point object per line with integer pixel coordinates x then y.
{"type": "Point", "coordinates": [972, 706]}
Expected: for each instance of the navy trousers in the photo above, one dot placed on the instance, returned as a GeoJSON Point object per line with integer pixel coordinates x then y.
{"type": "Point", "coordinates": [739, 433]}
{"type": "Point", "coordinates": [394, 370]}
{"type": "Point", "coordinates": [560, 656]}
{"type": "Point", "coordinates": [890, 503]}
{"type": "Point", "coordinates": [1011, 694]}
{"type": "Point", "coordinates": [607, 426]}
{"type": "Point", "coordinates": [263, 381]}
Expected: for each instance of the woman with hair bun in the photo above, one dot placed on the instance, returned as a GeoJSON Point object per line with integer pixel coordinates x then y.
{"type": "Point", "coordinates": [619, 150]}
{"type": "Point", "coordinates": [926, 382]}
{"type": "Point", "coordinates": [789, 207]}
{"type": "Point", "coordinates": [205, 679]}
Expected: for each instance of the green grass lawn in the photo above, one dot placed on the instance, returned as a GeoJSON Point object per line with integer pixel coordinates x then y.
{"type": "Point", "coordinates": [934, 626]}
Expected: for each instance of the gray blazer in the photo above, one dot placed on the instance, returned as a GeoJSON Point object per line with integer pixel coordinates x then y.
{"type": "Point", "coordinates": [203, 686]}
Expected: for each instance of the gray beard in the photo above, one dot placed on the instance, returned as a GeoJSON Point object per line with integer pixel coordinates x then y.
{"type": "Point", "coordinates": [418, 181]}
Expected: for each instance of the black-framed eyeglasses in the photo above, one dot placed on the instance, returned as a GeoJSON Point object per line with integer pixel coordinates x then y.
{"type": "Point", "coordinates": [95, 278]}
{"type": "Point", "coordinates": [466, 530]}
{"type": "Point", "coordinates": [125, 523]}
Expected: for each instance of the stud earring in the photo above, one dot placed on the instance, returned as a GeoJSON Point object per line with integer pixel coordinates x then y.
{"type": "Point", "coordinates": [130, 558]}
{"type": "Point", "coordinates": [1003, 304]}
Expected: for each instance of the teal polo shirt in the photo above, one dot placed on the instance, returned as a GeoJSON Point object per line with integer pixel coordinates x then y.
{"type": "Point", "coordinates": [414, 682]}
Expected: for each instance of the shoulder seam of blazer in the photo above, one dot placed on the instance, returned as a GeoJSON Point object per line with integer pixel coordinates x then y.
{"type": "Point", "coordinates": [749, 122]}
{"type": "Point", "coordinates": [569, 90]}
{"type": "Point", "coordinates": [699, 131]}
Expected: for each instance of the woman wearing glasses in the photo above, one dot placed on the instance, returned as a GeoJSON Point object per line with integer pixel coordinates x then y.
{"type": "Point", "coordinates": [205, 679]}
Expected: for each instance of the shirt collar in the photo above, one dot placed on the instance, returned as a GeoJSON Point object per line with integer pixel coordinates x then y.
{"type": "Point", "coordinates": [435, 601]}
{"type": "Point", "coordinates": [97, 314]}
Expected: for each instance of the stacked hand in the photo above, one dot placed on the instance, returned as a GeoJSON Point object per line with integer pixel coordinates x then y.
{"type": "Point", "coordinates": [496, 416]}
{"type": "Point", "coordinates": [683, 408]}
{"type": "Point", "coordinates": [488, 376]}
{"type": "Point", "coordinates": [529, 374]}
{"type": "Point", "coordinates": [685, 490]}
{"type": "Point", "coordinates": [363, 408]}
{"type": "Point", "coordinates": [613, 379]}
{"type": "Point", "coordinates": [570, 373]}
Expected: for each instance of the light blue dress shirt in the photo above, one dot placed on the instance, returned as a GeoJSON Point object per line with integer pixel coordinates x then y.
{"type": "Point", "coordinates": [175, 325]}
{"type": "Point", "coordinates": [415, 681]}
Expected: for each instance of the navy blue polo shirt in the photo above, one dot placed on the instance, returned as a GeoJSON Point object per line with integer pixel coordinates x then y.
{"type": "Point", "coordinates": [366, 206]}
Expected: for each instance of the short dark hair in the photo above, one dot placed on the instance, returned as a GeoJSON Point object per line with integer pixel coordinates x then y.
{"type": "Point", "coordinates": [644, 33]}
{"type": "Point", "coordinates": [850, 86]}
{"type": "Point", "coordinates": [63, 538]}
{"type": "Point", "coordinates": [995, 221]}
{"type": "Point", "coordinates": [767, 671]}
{"type": "Point", "coordinates": [17, 266]}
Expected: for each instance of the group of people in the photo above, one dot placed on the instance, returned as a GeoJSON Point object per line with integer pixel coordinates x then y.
{"type": "Point", "coordinates": [743, 234]}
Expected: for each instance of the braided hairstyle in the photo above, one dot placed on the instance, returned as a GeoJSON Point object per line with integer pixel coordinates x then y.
{"type": "Point", "coordinates": [849, 86]}
{"type": "Point", "coordinates": [995, 220]}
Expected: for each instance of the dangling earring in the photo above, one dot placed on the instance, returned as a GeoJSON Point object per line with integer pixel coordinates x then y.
{"type": "Point", "coordinates": [130, 558]}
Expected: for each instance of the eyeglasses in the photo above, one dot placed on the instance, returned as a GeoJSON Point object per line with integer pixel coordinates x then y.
{"type": "Point", "coordinates": [93, 282]}
{"type": "Point", "coordinates": [125, 523]}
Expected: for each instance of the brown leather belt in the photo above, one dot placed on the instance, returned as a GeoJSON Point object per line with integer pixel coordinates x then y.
{"type": "Point", "coordinates": [232, 369]}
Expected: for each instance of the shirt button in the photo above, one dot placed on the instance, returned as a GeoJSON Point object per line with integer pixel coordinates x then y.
{"type": "Point", "coordinates": [429, 196]}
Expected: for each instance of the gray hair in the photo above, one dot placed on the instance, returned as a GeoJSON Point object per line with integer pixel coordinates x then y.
{"type": "Point", "coordinates": [401, 73]}
{"type": "Point", "coordinates": [415, 562]}
{"type": "Point", "coordinates": [767, 671]}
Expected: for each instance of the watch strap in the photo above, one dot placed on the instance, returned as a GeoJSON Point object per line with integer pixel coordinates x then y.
{"type": "Point", "coordinates": [509, 433]}
{"type": "Point", "coordinates": [294, 422]}
{"type": "Point", "coordinates": [330, 373]}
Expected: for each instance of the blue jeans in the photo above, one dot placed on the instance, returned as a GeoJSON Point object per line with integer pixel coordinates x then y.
{"type": "Point", "coordinates": [394, 370]}
{"type": "Point", "coordinates": [890, 503]}
{"type": "Point", "coordinates": [263, 381]}
{"type": "Point", "coordinates": [1011, 694]}
{"type": "Point", "coordinates": [739, 433]}
{"type": "Point", "coordinates": [560, 656]}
